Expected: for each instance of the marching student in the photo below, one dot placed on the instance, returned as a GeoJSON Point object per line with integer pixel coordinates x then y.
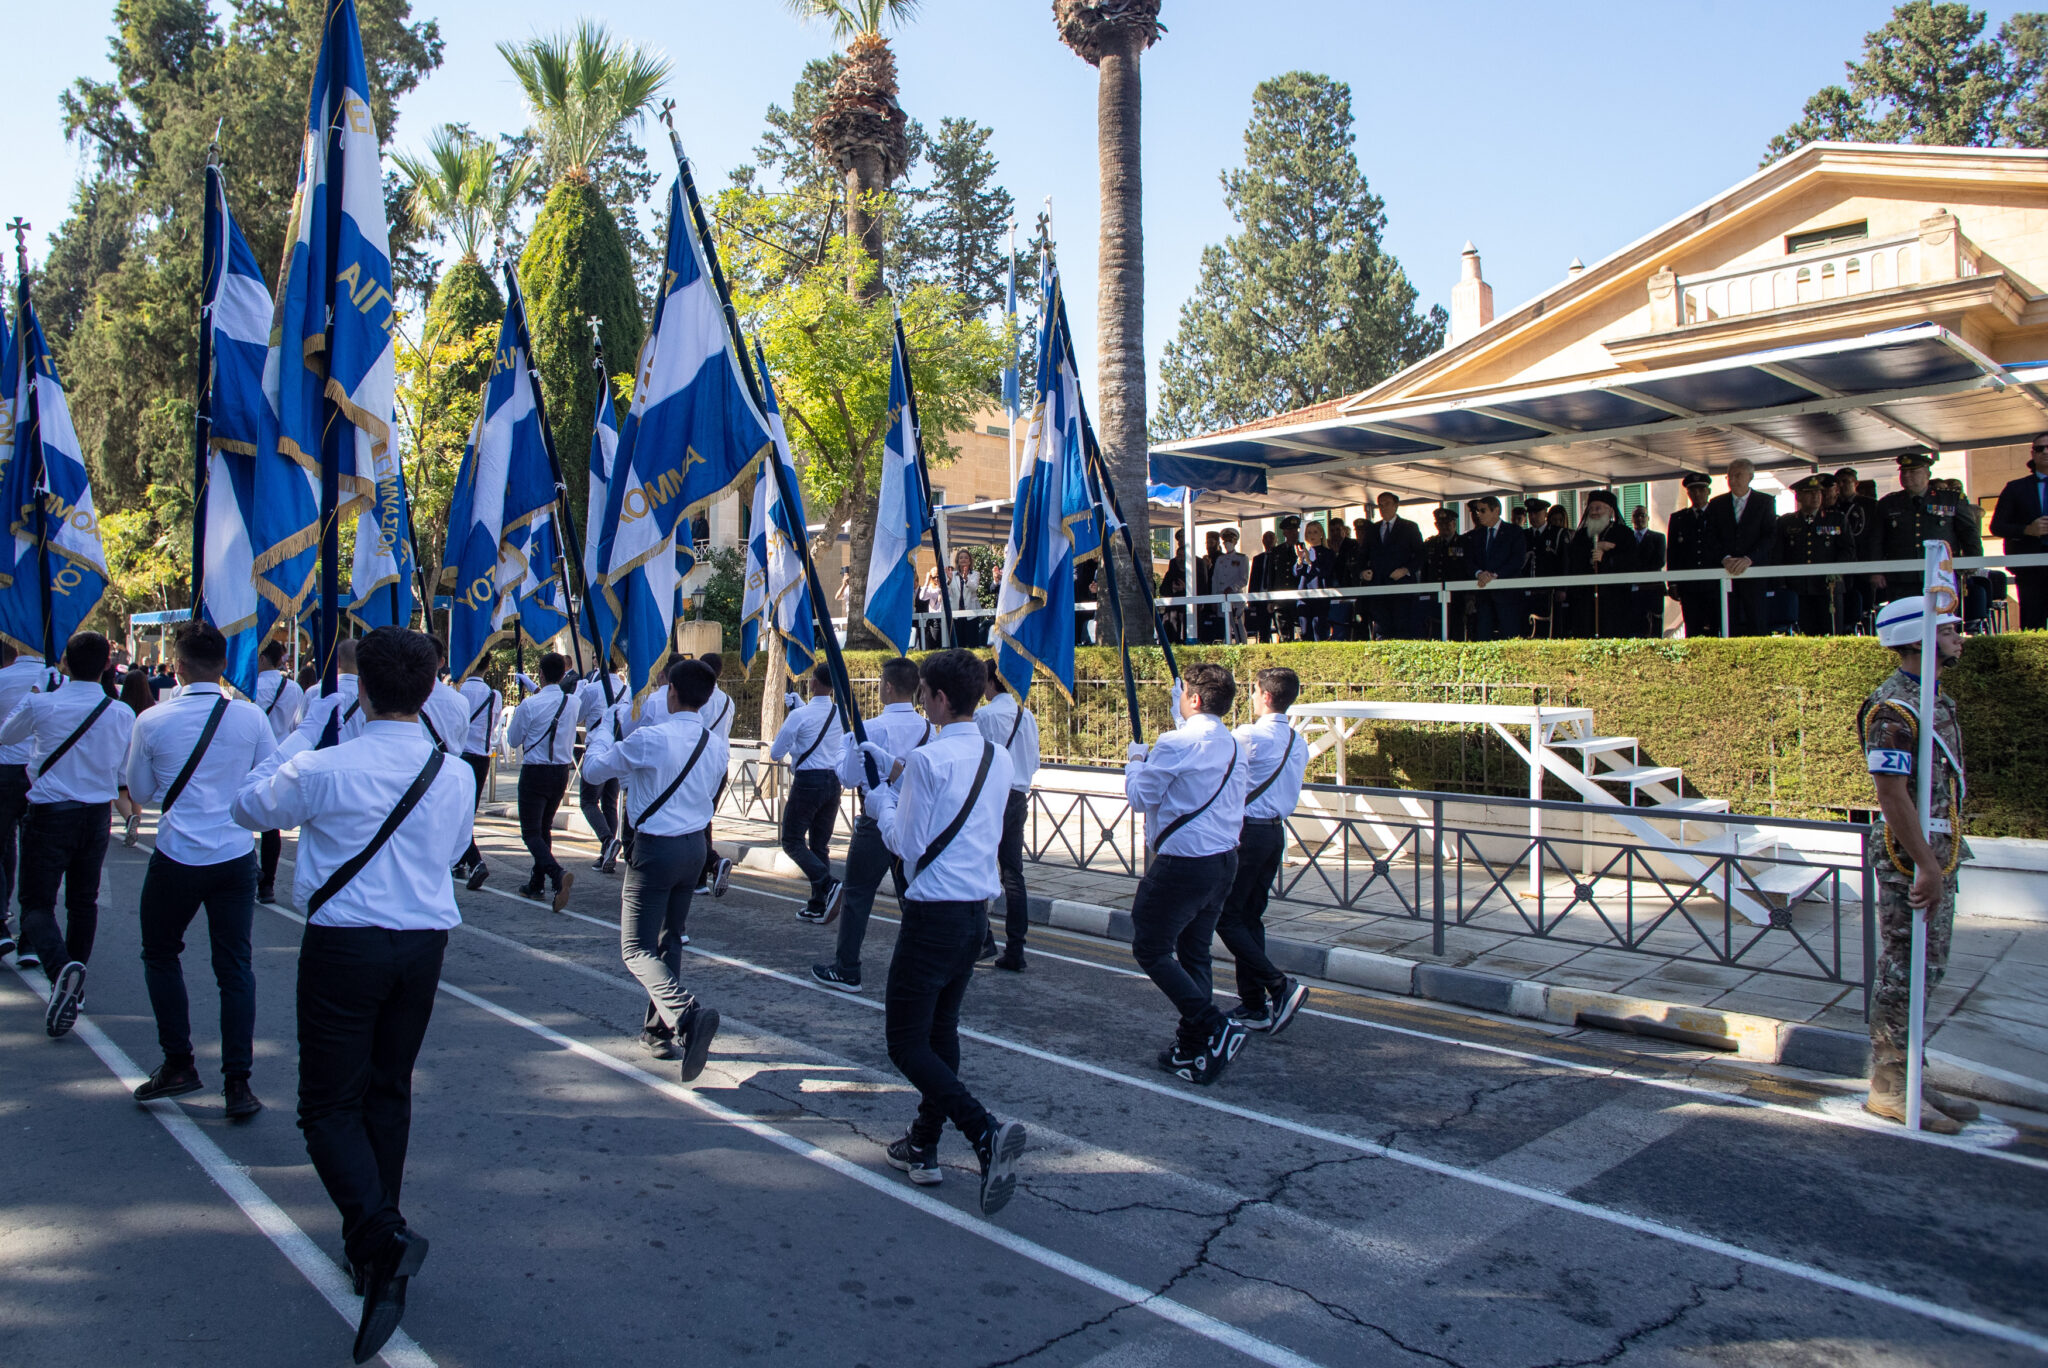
{"type": "Point", "coordinates": [1009, 724]}
{"type": "Point", "coordinates": [189, 755]}
{"type": "Point", "coordinates": [544, 729]}
{"type": "Point", "coordinates": [944, 826]}
{"type": "Point", "coordinates": [718, 716]}
{"type": "Point", "coordinates": [483, 704]}
{"type": "Point", "coordinates": [899, 731]}
{"type": "Point", "coordinates": [381, 817]}
{"type": "Point", "coordinates": [80, 742]}
{"type": "Point", "coordinates": [20, 676]}
{"type": "Point", "coordinates": [599, 802]}
{"type": "Point", "coordinates": [1275, 760]}
{"type": "Point", "coordinates": [329, 719]}
{"type": "Point", "coordinates": [672, 769]}
{"type": "Point", "coordinates": [810, 739]}
{"type": "Point", "coordinates": [281, 700]}
{"type": "Point", "coordinates": [445, 714]}
{"type": "Point", "coordinates": [1190, 785]}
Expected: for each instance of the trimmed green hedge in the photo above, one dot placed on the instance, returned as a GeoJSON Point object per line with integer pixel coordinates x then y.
{"type": "Point", "coordinates": [1769, 724]}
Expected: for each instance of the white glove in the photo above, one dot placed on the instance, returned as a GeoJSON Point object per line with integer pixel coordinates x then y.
{"type": "Point", "coordinates": [1137, 752]}
{"type": "Point", "coordinates": [1176, 695]}
{"type": "Point", "coordinates": [885, 763]}
{"type": "Point", "coordinates": [790, 700]}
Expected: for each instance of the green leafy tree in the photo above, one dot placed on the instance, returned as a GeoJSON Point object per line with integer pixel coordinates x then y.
{"type": "Point", "coordinates": [790, 189]}
{"type": "Point", "coordinates": [1302, 304]}
{"type": "Point", "coordinates": [440, 392]}
{"type": "Point", "coordinates": [1930, 76]}
{"type": "Point", "coordinates": [583, 89]}
{"type": "Point", "coordinates": [461, 190]}
{"type": "Point", "coordinates": [955, 234]}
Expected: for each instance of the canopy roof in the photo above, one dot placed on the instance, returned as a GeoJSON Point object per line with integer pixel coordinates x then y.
{"type": "Point", "coordinates": [1815, 406]}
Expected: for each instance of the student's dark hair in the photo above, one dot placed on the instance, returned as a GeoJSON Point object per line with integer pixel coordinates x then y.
{"type": "Point", "coordinates": [309, 675]}
{"type": "Point", "coordinates": [714, 662]}
{"type": "Point", "coordinates": [822, 674]}
{"type": "Point", "coordinates": [960, 676]}
{"type": "Point", "coordinates": [1284, 684]}
{"type": "Point", "coordinates": [272, 653]}
{"type": "Point", "coordinates": [395, 669]}
{"type": "Point", "coordinates": [1213, 685]}
{"type": "Point", "coordinates": [201, 644]}
{"type": "Point", "coordinates": [900, 675]}
{"type": "Point", "coordinates": [440, 648]}
{"type": "Point", "coordinates": [552, 667]}
{"type": "Point", "coordinates": [694, 680]}
{"type": "Point", "coordinates": [86, 655]}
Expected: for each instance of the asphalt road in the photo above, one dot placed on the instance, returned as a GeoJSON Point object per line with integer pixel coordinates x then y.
{"type": "Point", "coordinates": [1385, 1184]}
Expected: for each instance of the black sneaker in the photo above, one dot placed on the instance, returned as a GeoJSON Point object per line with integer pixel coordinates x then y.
{"type": "Point", "coordinates": [703, 888]}
{"type": "Point", "coordinates": [476, 876]}
{"type": "Point", "coordinates": [532, 890]}
{"type": "Point", "coordinates": [661, 1044]}
{"type": "Point", "coordinates": [696, 1033]}
{"type": "Point", "coordinates": [27, 959]}
{"type": "Point", "coordinates": [835, 899]}
{"type": "Point", "coordinates": [832, 976]}
{"type": "Point", "coordinates": [568, 882]}
{"type": "Point", "coordinates": [266, 894]}
{"type": "Point", "coordinates": [722, 879]}
{"type": "Point", "coordinates": [170, 1080]}
{"type": "Point", "coordinates": [1259, 1018]}
{"type": "Point", "coordinates": [999, 1149]}
{"type": "Point", "coordinates": [921, 1162]}
{"type": "Point", "coordinates": [1289, 1002]}
{"type": "Point", "coordinates": [241, 1102]}
{"type": "Point", "coordinates": [66, 993]}
{"type": "Point", "coordinates": [6, 944]}
{"type": "Point", "coordinates": [807, 913]}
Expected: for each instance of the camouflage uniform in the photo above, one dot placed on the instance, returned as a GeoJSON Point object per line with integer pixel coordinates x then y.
{"type": "Point", "coordinates": [1891, 745]}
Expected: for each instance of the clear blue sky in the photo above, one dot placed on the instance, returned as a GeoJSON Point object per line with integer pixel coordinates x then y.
{"type": "Point", "coordinates": [1540, 132]}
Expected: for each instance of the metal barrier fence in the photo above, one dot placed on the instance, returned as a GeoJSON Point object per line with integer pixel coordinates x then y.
{"type": "Point", "coordinates": [1561, 872]}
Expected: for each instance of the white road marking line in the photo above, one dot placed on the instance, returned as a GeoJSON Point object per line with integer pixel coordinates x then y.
{"type": "Point", "coordinates": [267, 1216]}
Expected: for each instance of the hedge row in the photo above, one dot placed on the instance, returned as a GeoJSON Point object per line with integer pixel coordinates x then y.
{"type": "Point", "coordinates": [1769, 724]}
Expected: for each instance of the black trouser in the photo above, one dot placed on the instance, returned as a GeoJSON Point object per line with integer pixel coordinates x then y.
{"type": "Point", "coordinates": [2032, 587]}
{"type": "Point", "coordinates": [928, 975]}
{"type": "Point", "coordinates": [867, 860]}
{"type": "Point", "coordinates": [599, 804]}
{"type": "Point", "coordinates": [172, 894]}
{"type": "Point", "coordinates": [540, 796]}
{"type": "Point", "coordinates": [270, 845]}
{"type": "Point", "coordinates": [480, 766]}
{"type": "Point", "coordinates": [1010, 864]}
{"type": "Point", "coordinates": [1701, 608]}
{"type": "Point", "coordinates": [808, 816]}
{"type": "Point", "coordinates": [1747, 614]}
{"type": "Point", "coordinates": [13, 807]}
{"type": "Point", "coordinates": [62, 843]}
{"type": "Point", "coordinates": [654, 909]}
{"type": "Point", "coordinates": [1173, 917]}
{"type": "Point", "coordinates": [1499, 614]}
{"type": "Point", "coordinates": [1817, 613]}
{"type": "Point", "coordinates": [365, 996]}
{"type": "Point", "coordinates": [1242, 923]}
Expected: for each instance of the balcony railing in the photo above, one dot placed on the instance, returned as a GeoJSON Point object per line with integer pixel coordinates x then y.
{"type": "Point", "coordinates": [1810, 277]}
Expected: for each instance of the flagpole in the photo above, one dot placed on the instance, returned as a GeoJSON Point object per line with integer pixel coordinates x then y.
{"type": "Point", "coordinates": [1116, 606]}
{"type": "Point", "coordinates": [842, 683]}
{"type": "Point", "coordinates": [336, 424]}
{"type": "Point", "coordinates": [924, 482]}
{"type": "Point", "coordinates": [33, 431]}
{"type": "Point", "coordinates": [419, 569]}
{"type": "Point", "coordinates": [547, 440]}
{"type": "Point", "coordinates": [589, 611]}
{"type": "Point", "coordinates": [212, 259]}
{"type": "Point", "coordinates": [1101, 467]}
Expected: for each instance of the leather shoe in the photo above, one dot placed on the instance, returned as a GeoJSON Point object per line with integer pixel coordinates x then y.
{"type": "Point", "coordinates": [384, 1284]}
{"type": "Point", "coordinates": [170, 1080]}
{"type": "Point", "coordinates": [242, 1103]}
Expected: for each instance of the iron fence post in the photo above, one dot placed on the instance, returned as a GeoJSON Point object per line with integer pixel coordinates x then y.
{"type": "Point", "coordinates": [1436, 841]}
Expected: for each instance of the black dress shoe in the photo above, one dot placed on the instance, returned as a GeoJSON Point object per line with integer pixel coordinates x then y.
{"type": "Point", "coordinates": [266, 894]}
{"type": "Point", "coordinates": [242, 1103]}
{"type": "Point", "coordinates": [170, 1080]}
{"type": "Point", "coordinates": [1011, 959]}
{"type": "Point", "coordinates": [384, 1284]}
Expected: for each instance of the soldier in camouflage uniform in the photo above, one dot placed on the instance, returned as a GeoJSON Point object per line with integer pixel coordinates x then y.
{"type": "Point", "coordinates": [1913, 870]}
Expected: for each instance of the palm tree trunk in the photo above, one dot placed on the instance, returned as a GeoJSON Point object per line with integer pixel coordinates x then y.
{"type": "Point", "coordinates": [863, 182]}
{"type": "Point", "coordinates": [1120, 304]}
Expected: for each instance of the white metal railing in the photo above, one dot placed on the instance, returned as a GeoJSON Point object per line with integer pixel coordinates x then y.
{"type": "Point", "coordinates": [1809, 278]}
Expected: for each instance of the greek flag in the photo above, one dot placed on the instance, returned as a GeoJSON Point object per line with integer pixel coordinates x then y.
{"type": "Point", "coordinates": [1012, 381]}
{"type": "Point", "coordinates": [1052, 528]}
{"type": "Point", "coordinates": [691, 434]}
{"type": "Point", "coordinates": [54, 552]}
{"type": "Point", "coordinates": [541, 598]}
{"type": "Point", "coordinates": [902, 512]}
{"type": "Point", "coordinates": [778, 594]}
{"type": "Point", "coordinates": [331, 345]}
{"type": "Point", "coordinates": [597, 623]}
{"type": "Point", "coordinates": [234, 314]}
{"type": "Point", "coordinates": [504, 498]}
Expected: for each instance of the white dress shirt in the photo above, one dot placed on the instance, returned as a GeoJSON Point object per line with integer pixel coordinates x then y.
{"type": "Point", "coordinates": [281, 699]}
{"type": "Point", "coordinates": [718, 713]}
{"type": "Point", "coordinates": [1016, 731]}
{"type": "Point", "coordinates": [445, 718]}
{"type": "Point", "coordinates": [898, 729]}
{"type": "Point", "coordinates": [480, 704]}
{"type": "Point", "coordinates": [200, 827]}
{"type": "Point", "coordinates": [934, 788]}
{"type": "Point", "coordinates": [1271, 743]}
{"type": "Point", "coordinates": [535, 731]}
{"type": "Point", "coordinates": [816, 721]}
{"type": "Point", "coordinates": [339, 797]}
{"type": "Point", "coordinates": [1185, 768]}
{"type": "Point", "coordinates": [321, 706]}
{"type": "Point", "coordinates": [649, 760]}
{"type": "Point", "coordinates": [591, 695]}
{"type": "Point", "coordinates": [90, 772]}
{"type": "Point", "coordinates": [24, 677]}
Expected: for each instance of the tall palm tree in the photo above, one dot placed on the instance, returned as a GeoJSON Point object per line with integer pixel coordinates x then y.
{"type": "Point", "coordinates": [1111, 35]}
{"type": "Point", "coordinates": [462, 191]}
{"type": "Point", "coordinates": [583, 89]}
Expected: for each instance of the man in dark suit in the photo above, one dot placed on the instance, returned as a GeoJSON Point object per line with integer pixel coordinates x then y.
{"type": "Point", "coordinates": [1258, 617]}
{"type": "Point", "coordinates": [1649, 598]}
{"type": "Point", "coordinates": [1742, 527]}
{"type": "Point", "coordinates": [1495, 550]}
{"type": "Point", "coordinates": [1686, 549]}
{"type": "Point", "coordinates": [1393, 555]}
{"type": "Point", "coordinates": [2021, 517]}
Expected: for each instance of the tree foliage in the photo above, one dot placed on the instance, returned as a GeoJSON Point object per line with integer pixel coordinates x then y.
{"type": "Point", "coordinates": [440, 391]}
{"type": "Point", "coordinates": [461, 189]}
{"type": "Point", "coordinates": [1302, 304]}
{"type": "Point", "coordinates": [1930, 76]}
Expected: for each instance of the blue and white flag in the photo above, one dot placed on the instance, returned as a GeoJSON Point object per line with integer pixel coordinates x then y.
{"type": "Point", "coordinates": [1052, 527]}
{"type": "Point", "coordinates": [693, 432]}
{"type": "Point", "coordinates": [778, 593]}
{"type": "Point", "coordinates": [234, 310]}
{"type": "Point", "coordinates": [332, 346]}
{"type": "Point", "coordinates": [597, 624]}
{"type": "Point", "coordinates": [1012, 381]}
{"type": "Point", "coordinates": [501, 517]}
{"type": "Point", "coordinates": [10, 385]}
{"type": "Point", "coordinates": [54, 550]}
{"type": "Point", "coordinates": [902, 512]}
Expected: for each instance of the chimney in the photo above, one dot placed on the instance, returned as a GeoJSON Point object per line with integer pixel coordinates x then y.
{"type": "Point", "coordinates": [1571, 272]}
{"type": "Point", "coordinates": [1471, 298]}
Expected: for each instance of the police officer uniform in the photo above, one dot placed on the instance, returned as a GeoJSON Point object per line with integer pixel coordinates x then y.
{"type": "Point", "coordinates": [1907, 521]}
{"type": "Point", "coordinates": [1817, 538]}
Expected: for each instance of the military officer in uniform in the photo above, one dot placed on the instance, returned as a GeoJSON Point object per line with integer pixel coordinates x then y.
{"type": "Point", "coordinates": [1811, 535]}
{"type": "Point", "coordinates": [1913, 515]}
{"type": "Point", "coordinates": [1859, 533]}
{"type": "Point", "coordinates": [1914, 870]}
{"type": "Point", "coordinates": [1685, 548]}
{"type": "Point", "coordinates": [1443, 560]}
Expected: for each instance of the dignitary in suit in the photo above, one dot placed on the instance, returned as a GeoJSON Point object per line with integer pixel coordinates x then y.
{"type": "Point", "coordinates": [1685, 548]}
{"type": "Point", "coordinates": [2021, 517]}
{"type": "Point", "coordinates": [1496, 551]}
{"type": "Point", "coordinates": [544, 729]}
{"type": "Point", "coordinates": [1650, 551]}
{"type": "Point", "coordinates": [1394, 555]}
{"type": "Point", "coordinates": [1742, 529]}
